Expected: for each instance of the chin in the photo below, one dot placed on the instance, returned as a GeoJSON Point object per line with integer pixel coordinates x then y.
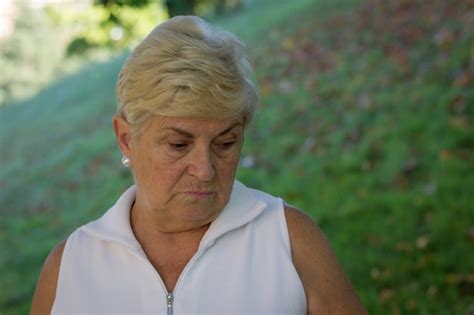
{"type": "Point", "coordinates": [199, 214]}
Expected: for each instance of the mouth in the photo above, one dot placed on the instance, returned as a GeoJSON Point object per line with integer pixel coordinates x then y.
{"type": "Point", "coordinates": [200, 194]}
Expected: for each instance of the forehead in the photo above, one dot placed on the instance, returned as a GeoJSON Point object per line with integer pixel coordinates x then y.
{"type": "Point", "coordinates": [192, 125]}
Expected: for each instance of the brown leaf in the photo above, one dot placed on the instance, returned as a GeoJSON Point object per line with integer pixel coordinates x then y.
{"type": "Point", "coordinates": [404, 247]}
{"type": "Point", "coordinates": [464, 79]}
{"type": "Point", "coordinates": [386, 295]}
{"type": "Point", "coordinates": [422, 242]}
{"type": "Point", "coordinates": [409, 166]}
{"type": "Point", "coordinates": [470, 233]}
{"type": "Point", "coordinates": [373, 239]}
{"type": "Point", "coordinates": [375, 273]}
{"type": "Point", "coordinates": [412, 305]}
{"type": "Point", "coordinates": [444, 37]}
{"type": "Point", "coordinates": [445, 155]}
{"type": "Point", "coordinates": [432, 291]}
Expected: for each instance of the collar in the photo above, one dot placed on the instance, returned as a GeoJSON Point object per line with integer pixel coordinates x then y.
{"type": "Point", "coordinates": [114, 225]}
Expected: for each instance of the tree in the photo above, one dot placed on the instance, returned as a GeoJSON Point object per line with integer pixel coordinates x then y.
{"type": "Point", "coordinates": [175, 7]}
{"type": "Point", "coordinates": [180, 7]}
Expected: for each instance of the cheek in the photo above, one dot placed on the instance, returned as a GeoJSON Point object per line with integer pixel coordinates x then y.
{"type": "Point", "coordinates": [227, 170]}
{"type": "Point", "coordinates": [166, 172]}
{"type": "Point", "coordinates": [155, 171]}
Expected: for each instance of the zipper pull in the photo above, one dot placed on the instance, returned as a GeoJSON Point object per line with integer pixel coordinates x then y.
{"type": "Point", "coordinates": [169, 303]}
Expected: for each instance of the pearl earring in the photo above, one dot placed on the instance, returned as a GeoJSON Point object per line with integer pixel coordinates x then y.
{"type": "Point", "coordinates": [126, 161]}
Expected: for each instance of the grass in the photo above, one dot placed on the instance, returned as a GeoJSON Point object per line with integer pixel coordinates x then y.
{"type": "Point", "coordinates": [366, 122]}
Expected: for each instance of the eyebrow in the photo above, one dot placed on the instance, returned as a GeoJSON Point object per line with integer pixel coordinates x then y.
{"type": "Point", "coordinates": [190, 135]}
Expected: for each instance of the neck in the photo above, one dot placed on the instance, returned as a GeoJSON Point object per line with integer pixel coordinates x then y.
{"type": "Point", "coordinates": [148, 226]}
{"type": "Point", "coordinates": [168, 249]}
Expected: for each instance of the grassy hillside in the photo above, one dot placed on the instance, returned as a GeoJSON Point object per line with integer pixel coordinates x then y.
{"type": "Point", "coordinates": [366, 122]}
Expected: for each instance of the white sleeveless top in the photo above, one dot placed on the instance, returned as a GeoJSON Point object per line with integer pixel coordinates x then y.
{"type": "Point", "coordinates": [243, 265]}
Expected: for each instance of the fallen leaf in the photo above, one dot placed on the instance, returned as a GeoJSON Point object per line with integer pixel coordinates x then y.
{"type": "Point", "coordinates": [404, 247]}
{"type": "Point", "coordinates": [412, 305]}
{"type": "Point", "coordinates": [470, 233]}
{"type": "Point", "coordinates": [385, 295]}
{"type": "Point", "coordinates": [422, 242]}
{"type": "Point", "coordinates": [375, 273]}
{"type": "Point", "coordinates": [432, 291]}
{"type": "Point", "coordinates": [445, 155]}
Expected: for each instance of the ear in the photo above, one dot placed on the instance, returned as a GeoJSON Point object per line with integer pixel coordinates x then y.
{"type": "Point", "coordinates": [123, 134]}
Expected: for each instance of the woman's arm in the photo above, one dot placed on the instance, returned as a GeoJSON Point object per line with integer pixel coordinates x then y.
{"type": "Point", "coordinates": [45, 291]}
{"type": "Point", "coordinates": [328, 290]}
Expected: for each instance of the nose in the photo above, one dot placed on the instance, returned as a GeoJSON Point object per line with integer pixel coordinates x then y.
{"type": "Point", "coordinates": [201, 164]}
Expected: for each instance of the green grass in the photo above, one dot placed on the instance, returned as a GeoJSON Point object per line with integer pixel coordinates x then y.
{"type": "Point", "coordinates": [366, 123]}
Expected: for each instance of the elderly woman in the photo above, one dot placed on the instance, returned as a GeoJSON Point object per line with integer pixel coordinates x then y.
{"type": "Point", "coordinates": [187, 238]}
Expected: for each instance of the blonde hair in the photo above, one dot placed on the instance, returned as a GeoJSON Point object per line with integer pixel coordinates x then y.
{"type": "Point", "coordinates": [186, 68]}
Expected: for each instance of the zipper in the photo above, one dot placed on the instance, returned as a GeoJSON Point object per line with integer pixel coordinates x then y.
{"type": "Point", "coordinates": [169, 303]}
{"type": "Point", "coordinates": [169, 295]}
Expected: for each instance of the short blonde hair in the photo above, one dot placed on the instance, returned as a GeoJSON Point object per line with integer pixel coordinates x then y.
{"type": "Point", "coordinates": [186, 68]}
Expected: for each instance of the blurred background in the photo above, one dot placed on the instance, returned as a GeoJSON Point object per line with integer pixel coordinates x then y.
{"type": "Point", "coordinates": [365, 122]}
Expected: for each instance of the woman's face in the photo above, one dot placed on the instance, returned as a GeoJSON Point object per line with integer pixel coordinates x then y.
{"type": "Point", "coordinates": [184, 168]}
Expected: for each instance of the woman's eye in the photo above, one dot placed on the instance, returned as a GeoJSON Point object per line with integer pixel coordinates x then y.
{"type": "Point", "coordinates": [227, 145]}
{"type": "Point", "coordinates": [178, 146]}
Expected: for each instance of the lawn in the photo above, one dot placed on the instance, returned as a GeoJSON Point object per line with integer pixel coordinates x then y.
{"type": "Point", "coordinates": [365, 122]}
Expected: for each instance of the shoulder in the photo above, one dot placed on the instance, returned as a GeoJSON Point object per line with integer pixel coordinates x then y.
{"type": "Point", "coordinates": [327, 288]}
{"type": "Point", "coordinates": [45, 291]}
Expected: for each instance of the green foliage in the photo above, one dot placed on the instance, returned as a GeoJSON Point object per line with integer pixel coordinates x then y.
{"type": "Point", "coordinates": [366, 122]}
{"type": "Point", "coordinates": [130, 3]}
{"type": "Point", "coordinates": [114, 26]}
{"type": "Point", "coordinates": [27, 61]}
{"type": "Point", "coordinates": [49, 42]}
{"type": "Point", "coordinates": [202, 7]}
